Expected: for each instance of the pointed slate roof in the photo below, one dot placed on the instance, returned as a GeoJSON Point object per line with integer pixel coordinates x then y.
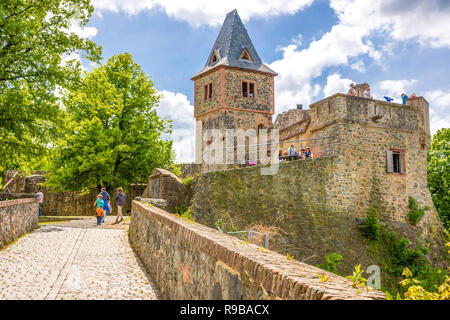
{"type": "Point", "coordinates": [230, 43]}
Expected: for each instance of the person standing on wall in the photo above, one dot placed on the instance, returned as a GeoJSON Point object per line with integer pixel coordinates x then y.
{"type": "Point", "coordinates": [106, 202]}
{"type": "Point", "coordinates": [404, 97]}
{"type": "Point", "coordinates": [40, 195]}
{"type": "Point", "coordinates": [292, 152]}
{"type": "Point", "coordinates": [120, 199]}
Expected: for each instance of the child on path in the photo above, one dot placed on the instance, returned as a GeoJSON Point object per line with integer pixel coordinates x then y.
{"type": "Point", "coordinates": [99, 209]}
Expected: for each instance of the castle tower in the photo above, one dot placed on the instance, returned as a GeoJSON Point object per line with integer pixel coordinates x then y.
{"type": "Point", "coordinates": [234, 90]}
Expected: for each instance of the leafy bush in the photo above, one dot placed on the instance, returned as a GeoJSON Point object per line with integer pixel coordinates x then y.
{"type": "Point", "coordinates": [175, 169]}
{"type": "Point", "coordinates": [397, 254]}
{"type": "Point", "coordinates": [416, 290]}
{"type": "Point", "coordinates": [371, 227]}
{"type": "Point", "coordinates": [415, 213]}
{"type": "Point", "coordinates": [187, 181]}
{"type": "Point", "coordinates": [187, 214]}
{"type": "Point", "coordinates": [439, 174]}
{"type": "Point", "coordinates": [332, 260]}
{"type": "Point", "coordinates": [358, 281]}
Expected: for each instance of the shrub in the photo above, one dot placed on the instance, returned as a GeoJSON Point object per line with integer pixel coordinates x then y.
{"type": "Point", "coordinates": [187, 214]}
{"type": "Point", "coordinates": [415, 213]}
{"type": "Point", "coordinates": [371, 227]}
{"type": "Point", "coordinates": [187, 181]}
{"type": "Point", "coordinates": [332, 260]}
{"type": "Point", "coordinates": [399, 255]}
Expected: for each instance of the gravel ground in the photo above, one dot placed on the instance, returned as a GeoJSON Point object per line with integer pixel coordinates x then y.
{"type": "Point", "coordinates": [74, 260]}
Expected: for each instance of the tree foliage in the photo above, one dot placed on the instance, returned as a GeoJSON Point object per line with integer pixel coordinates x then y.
{"type": "Point", "coordinates": [34, 38]}
{"type": "Point", "coordinates": [114, 135]}
{"type": "Point", "coordinates": [439, 174]}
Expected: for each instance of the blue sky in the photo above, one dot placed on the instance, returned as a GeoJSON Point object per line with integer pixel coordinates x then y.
{"type": "Point", "coordinates": [318, 47]}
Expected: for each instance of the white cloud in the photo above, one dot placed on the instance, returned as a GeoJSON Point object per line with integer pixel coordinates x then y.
{"type": "Point", "coordinates": [439, 114]}
{"type": "Point", "coordinates": [423, 21]}
{"type": "Point", "coordinates": [297, 68]}
{"type": "Point", "coordinates": [393, 89]}
{"type": "Point", "coordinates": [358, 66]}
{"type": "Point", "coordinates": [439, 98]}
{"type": "Point", "coordinates": [396, 20]}
{"type": "Point", "coordinates": [205, 12]}
{"type": "Point", "coordinates": [83, 32]}
{"type": "Point", "coordinates": [336, 84]}
{"type": "Point", "coordinates": [176, 107]}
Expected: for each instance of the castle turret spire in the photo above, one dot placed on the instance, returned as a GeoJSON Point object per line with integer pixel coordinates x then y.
{"type": "Point", "coordinates": [234, 48]}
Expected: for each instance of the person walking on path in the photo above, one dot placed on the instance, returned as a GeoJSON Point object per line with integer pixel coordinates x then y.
{"type": "Point", "coordinates": [106, 202]}
{"type": "Point", "coordinates": [99, 209]}
{"type": "Point", "coordinates": [120, 199]}
{"type": "Point", "coordinates": [40, 195]}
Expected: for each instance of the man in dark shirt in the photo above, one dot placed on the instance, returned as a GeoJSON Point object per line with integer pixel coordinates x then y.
{"type": "Point", "coordinates": [120, 199]}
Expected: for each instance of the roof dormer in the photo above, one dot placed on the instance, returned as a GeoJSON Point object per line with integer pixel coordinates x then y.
{"type": "Point", "coordinates": [215, 57]}
{"type": "Point", "coordinates": [245, 56]}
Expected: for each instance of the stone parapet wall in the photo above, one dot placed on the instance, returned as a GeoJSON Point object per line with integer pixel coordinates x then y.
{"type": "Point", "coordinates": [316, 204]}
{"type": "Point", "coordinates": [190, 261]}
{"type": "Point", "coordinates": [298, 200]}
{"type": "Point", "coordinates": [17, 217]}
{"type": "Point", "coordinates": [69, 203]}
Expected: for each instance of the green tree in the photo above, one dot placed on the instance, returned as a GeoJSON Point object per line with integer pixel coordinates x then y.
{"type": "Point", "coordinates": [439, 174]}
{"type": "Point", "coordinates": [34, 39]}
{"type": "Point", "coordinates": [114, 135]}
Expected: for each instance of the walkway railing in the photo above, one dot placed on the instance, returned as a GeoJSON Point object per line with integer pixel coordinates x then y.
{"type": "Point", "coordinates": [248, 235]}
{"type": "Point", "coordinates": [319, 147]}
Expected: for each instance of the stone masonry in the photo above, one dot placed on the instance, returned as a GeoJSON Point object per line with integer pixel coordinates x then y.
{"type": "Point", "coordinates": [17, 217]}
{"type": "Point", "coordinates": [190, 261]}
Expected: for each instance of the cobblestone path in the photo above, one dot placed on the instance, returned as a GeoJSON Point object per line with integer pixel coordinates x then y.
{"type": "Point", "coordinates": [62, 262]}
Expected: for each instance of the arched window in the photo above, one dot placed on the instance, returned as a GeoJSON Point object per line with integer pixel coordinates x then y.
{"type": "Point", "coordinates": [260, 127]}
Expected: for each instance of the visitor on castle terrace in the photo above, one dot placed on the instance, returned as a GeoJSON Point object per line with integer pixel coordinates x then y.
{"type": "Point", "coordinates": [367, 93]}
{"type": "Point", "coordinates": [301, 153]}
{"type": "Point", "coordinates": [281, 157]}
{"type": "Point", "coordinates": [413, 96]}
{"type": "Point", "coordinates": [404, 97]}
{"type": "Point", "coordinates": [106, 202]}
{"type": "Point", "coordinates": [352, 90]}
{"type": "Point", "coordinates": [292, 153]}
{"type": "Point", "coordinates": [307, 153]}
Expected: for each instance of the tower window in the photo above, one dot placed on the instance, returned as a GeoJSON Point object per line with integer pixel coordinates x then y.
{"type": "Point", "coordinates": [248, 89]}
{"type": "Point", "coordinates": [207, 91]}
{"type": "Point", "coordinates": [395, 160]}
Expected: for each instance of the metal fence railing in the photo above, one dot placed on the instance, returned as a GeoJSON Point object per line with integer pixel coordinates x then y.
{"type": "Point", "coordinates": [248, 235]}
{"type": "Point", "coordinates": [319, 147]}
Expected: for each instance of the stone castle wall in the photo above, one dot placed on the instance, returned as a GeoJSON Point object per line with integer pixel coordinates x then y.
{"type": "Point", "coordinates": [66, 203]}
{"type": "Point", "coordinates": [17, 217]}
{"type": "Point", "coordinates": [319, 202]}
{"type": "Point", "coordinates": [365, 131]}
{"type": "Point", "coordinates": [297, 200]}
{"type": "Point", "coordinates": [190, 261]}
